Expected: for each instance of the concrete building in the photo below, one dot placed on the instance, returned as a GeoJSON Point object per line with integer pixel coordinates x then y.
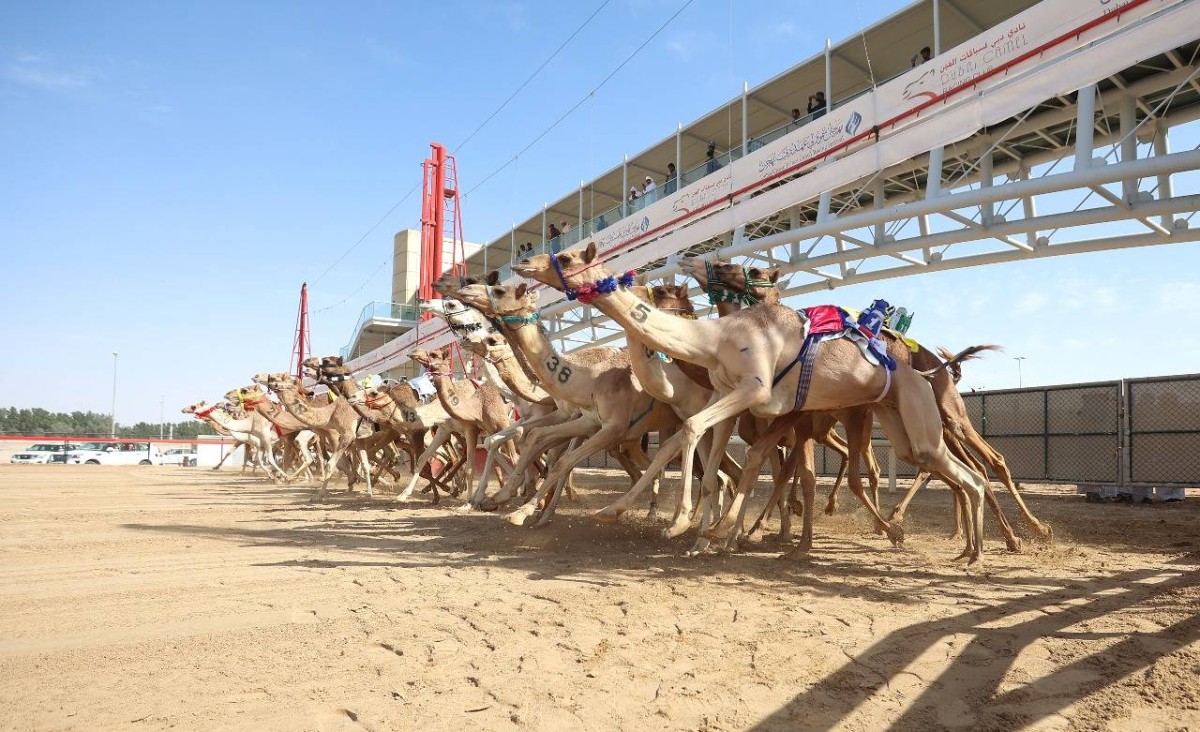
{"type": "Point", "coordinates": [380, 322]}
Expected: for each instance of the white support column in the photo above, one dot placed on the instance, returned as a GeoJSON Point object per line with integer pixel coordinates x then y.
{"type": "Point", "coordinates": [678, 155]}
{"type": "Point", "coordinates": [933, 183]}
{"type": "Point", "coordinates": [828, 76]}
{"type": "Point", "coordinates": [512, 243]}
{"type": "Point", "coordinates": [745, 118]}
{"type": "Point", "coordinates": [1085, 126]}
{"type": "Point", "coordinates": [794, 223]}
{"type": "Point", "coordinates": [582, 233]}
{"type": "Point", "coordinates": [923, 226]}
{"type": "Point", "coordinates": [625, 187]}
{"type": "Point", "coordinates": [937, 28]}
{"type": "Point", "coordinates": [823, 205]}
{"type": "Point", "coordinates": [1165, 188]}
{"type": "Point", "coordinates": [1029, 206]}
{"type": "Point", "coordinates": [877, 193]}
{"type": "Point", "coordinates": [987, 210]}
{"type": "Point", "coordinates": [1129, 186]}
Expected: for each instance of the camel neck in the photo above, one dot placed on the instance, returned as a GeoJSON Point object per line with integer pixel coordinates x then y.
{"type": "Point", "coordinates": [448, 395]}
{"type": "Point", "coordinates": [690, 340]}
{"type": "Point", "coordinates": [514, 376]}
{"type": "Point", "coordinates": [303, 409]}
{"type": "Point", "coordinates": [548, 366]}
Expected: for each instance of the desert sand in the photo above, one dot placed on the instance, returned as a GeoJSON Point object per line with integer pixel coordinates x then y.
{"type": "Point", "coordinates": [151, 598]}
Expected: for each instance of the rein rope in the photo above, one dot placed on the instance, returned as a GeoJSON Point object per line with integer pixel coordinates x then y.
{"type": "Point", "coordinates": [719, 291]}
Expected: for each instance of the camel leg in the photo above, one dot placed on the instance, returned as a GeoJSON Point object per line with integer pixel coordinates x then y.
{"type": "Point", "coordinates": [918, 483]}
{"type": "Point", "coordinates": [858, 435]}
{"type": "Point", "coordinates": [536, 443]}
{"type": "Point", "coordinates": [362, 456]}
{"type": "Point", "coordinates": [911, 428]}
{"type": "Point", "coordinates": [440, 436]}
{"type": "Point", "coordinates": [759, 451]}
{"type": "Point", "coordinates": [710, 486]}
{"type": "Point", "coordinates": [1042, 530]}
{"type": "Point", "coordinates": [607, 435]}
{"type": "Point", "coordinates": [666, 452]}
{"type": "Point", "coordinates": [576, 428]}
{"type": "Point", "coordinates": [805, 468]}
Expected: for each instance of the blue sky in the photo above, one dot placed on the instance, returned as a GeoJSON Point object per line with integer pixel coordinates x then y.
{"type": "Point", "coordinates": [174, 171]}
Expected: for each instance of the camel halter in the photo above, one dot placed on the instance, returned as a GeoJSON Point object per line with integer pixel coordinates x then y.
{"type": "Point", "coordinates": [589, 291]}
{"type": "Point", "coordinates": [379, 402]}
{"type": "Point", "coordinates": [718, 290]}
{"type": "Point", "coordinates": [206, 412]}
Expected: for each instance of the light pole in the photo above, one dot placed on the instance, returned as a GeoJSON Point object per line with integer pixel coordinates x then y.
{"type": "Point", "coordinates": [162, 400]}
{"type": "Point", "coordinates": [112, 432]}
{"type": "Point", "coordinates": [1019, 359]}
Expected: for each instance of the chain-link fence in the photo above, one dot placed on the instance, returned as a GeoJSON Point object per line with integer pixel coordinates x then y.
{"type": "Point", "coordinates": [1164, 429]}
{"type": "Point", "coordinates": [1139, 431]}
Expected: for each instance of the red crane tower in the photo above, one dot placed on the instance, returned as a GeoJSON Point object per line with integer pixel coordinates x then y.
{"type": "Point", "coordinates": [303, 340]}
{"type": "Point", "coordinates": [440, 210]}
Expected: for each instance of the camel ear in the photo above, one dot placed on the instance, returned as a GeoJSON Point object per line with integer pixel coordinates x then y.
{"type": "Point", "coordinates": [590, 253]}
{"type": "Point", "coordinates": [774, 276]}
{"type": "Point", "coordinates": [493, 277]}
{"type": "Point", "coordinates": [681, 291]}
{"type": "Point", "coordinates": [521, 288]}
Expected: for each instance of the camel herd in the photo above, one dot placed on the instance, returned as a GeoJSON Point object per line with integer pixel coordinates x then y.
{"type": "Point", "coordinates": [781, 378]}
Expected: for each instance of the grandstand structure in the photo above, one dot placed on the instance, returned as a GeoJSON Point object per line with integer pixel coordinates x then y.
{"type": "Point", "coordinates": [1031, 125]}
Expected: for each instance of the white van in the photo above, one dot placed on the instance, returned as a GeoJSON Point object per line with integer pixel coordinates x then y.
{"type": "Point", "coordinates": [114, 453]}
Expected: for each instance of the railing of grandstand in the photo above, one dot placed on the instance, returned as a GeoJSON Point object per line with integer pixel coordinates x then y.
{"type": "Point", "coordinates": [620, 211]}
{"type": "Point", "coordinates": [382, 310]}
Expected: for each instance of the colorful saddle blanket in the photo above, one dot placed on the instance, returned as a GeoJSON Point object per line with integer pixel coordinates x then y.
{"type": "Point", "coordinates": [826, 322]}
{"type": "Point", "coordinates": [830, 321]}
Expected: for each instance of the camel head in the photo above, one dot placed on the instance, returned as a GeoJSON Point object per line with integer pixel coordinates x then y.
{"type": "Point", "coordinates": [437, 307]}
{"type": "Point", "coordinates": [697, 268]}
{"type": "Point", "coordinates": [499, 300]}
{"type": "Point", "coordinates": [465, 322]}
{"type": "Point", "coordinates": [311, 364]}
{"type": "Point", "coordinates": [199, 406]}
{"type": "Point", "coordinates": [435, 362]}
{"type": "Point", "coordinates": [496, 347]}
{"type": "Point", "coordinates": [738, 283]}
{"type": "Point", "coordinates": [276, 381]}
{"type": "Point", "coordinates": [450, 283]}
{"type": "Point", "coordinates": [568, 271]}
{"type": "Point", "coordinates": [673, 299]}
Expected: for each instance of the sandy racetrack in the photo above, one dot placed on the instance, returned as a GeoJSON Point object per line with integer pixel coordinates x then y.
{"type": "Point", "coordinates": [150, 598]}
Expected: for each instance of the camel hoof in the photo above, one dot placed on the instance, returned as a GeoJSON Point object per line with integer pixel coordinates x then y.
{"type": "Point", "coordinates": [517, 518]}
{"type": "Point", "coordinates": [754, 537]}
{"type": "Point", "coordinates": [465, 508]}
{"type": "Point", "coordinates": [831, 509]}
{"type": "Point", "coordinates": [799, 554]}
{"type": "Point", "coordinates": [676, 529]}
{"type": "Point", "coordinates": [652, 514]}
{"type": "Point", "coordinates": [1014, 545]}
{"type": "Point", "coordinates": [895, 532]}
{"type": "Point", "coordinates": [607, 516]}
{"type": "Point", "coordinates": [1044, 533]}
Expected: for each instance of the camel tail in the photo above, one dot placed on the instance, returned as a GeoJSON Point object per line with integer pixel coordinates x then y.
{"type": "Point", "coordinates": [952, 363]}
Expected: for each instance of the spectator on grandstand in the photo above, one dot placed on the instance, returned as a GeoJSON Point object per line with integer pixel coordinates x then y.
{"type": "Point", "coordinates": [649, 190]}
{"type": "Point", "coordinates": [712, 165]}
{"type": "Point", "coordinates": [671, 184]}
{"type": "Point", "coordinates": [601, 223]}
{"type": "Point", "coordinates": [634, 194]}
{"type": "Point", "coordinates": [922, 56]}
{"type": "Point", "coordinates": [816, 104]}
{"type": "Point", "coordinates": [554, 237]}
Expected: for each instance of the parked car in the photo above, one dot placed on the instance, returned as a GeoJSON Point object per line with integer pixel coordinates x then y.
{"type": "Point", "coordinates": [39, 453]}
{"type": "Point", "coordinates": [113, 453]}
{"type": "Point", "coordinates": [184, 456]}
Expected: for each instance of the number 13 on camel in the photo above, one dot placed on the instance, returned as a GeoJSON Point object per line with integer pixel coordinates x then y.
{"type": "Point", "coordinates": [751, 357]}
